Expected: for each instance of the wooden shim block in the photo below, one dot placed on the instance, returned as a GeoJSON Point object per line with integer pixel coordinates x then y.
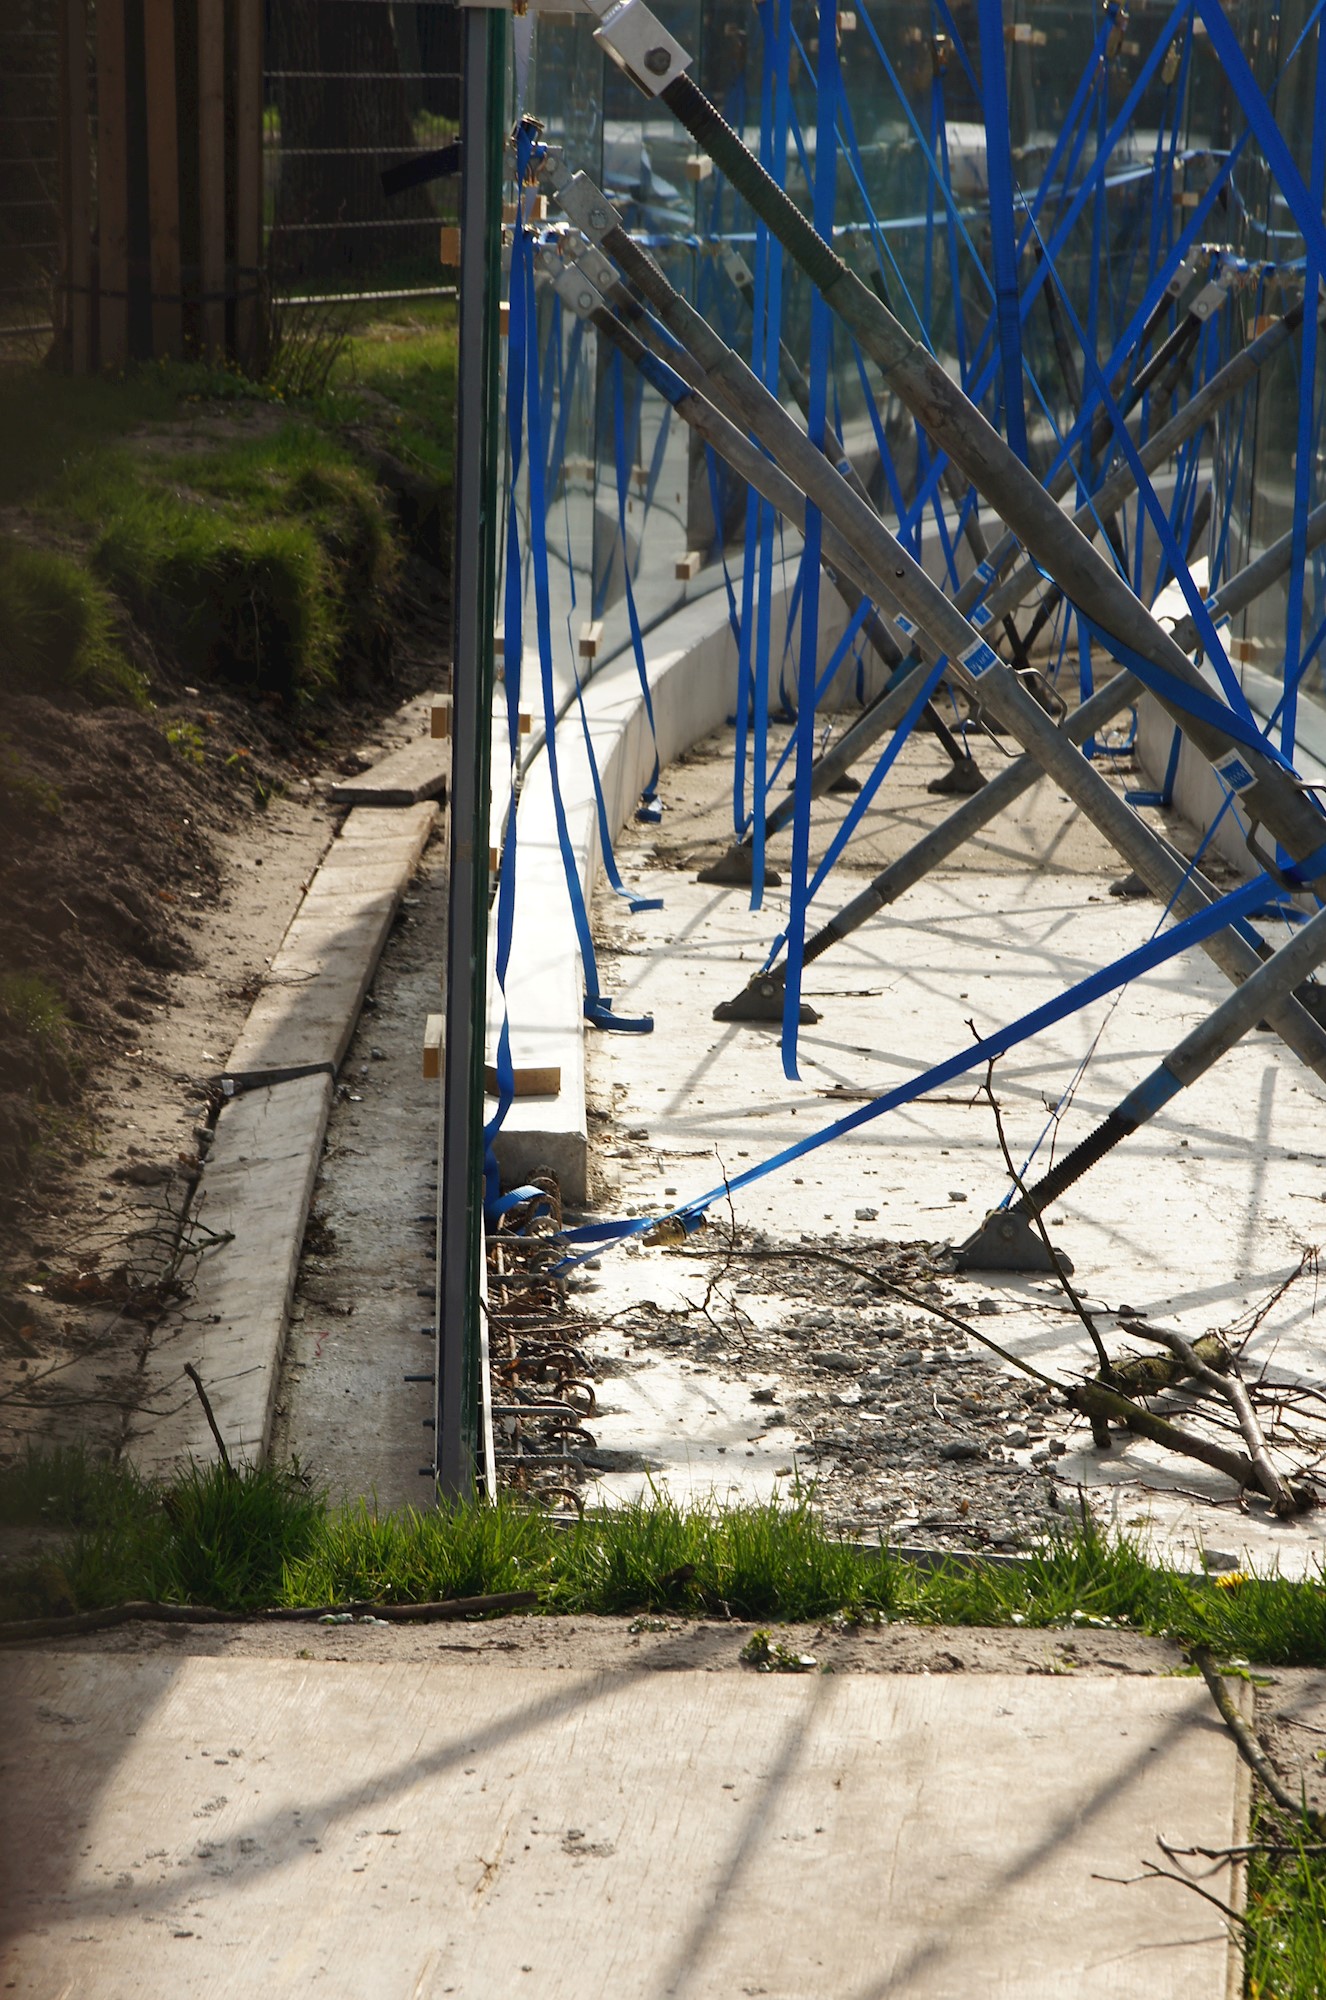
{"type": "Point", "coordinates": [492, 861]}
{"type": "Point", "coordinates": [591, 637]}
{"type": "Point", "coordinates": [523, 723]}
{"type": "Point", "coordinates": [688, 566]}
{"type": "Point", "coordinates": [439, 720]}
{"type": "Point", "coordinates": [697, 166]}
{"type": "Point", "coordinates": [112, 188]}
{"type": "Point", "coordinates": [248, 16]}
{"type": "Point", "coordinates": [545, 1082]}
{"type": "Point", "coordinates": [76, 186]}
{"type": "Point", "coordinates": [504, 318]}
{"type": "Point", "coordinates": [212, 172]}
{"type": "Point", "coordinates": [432, 1047]}
{"type": "Point", "coordinates": [163, 178]}
{"type": "Point", "coordinates": [449, 246]}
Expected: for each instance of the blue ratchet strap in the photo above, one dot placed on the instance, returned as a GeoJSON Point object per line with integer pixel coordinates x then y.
{"type": "Point", "coordinates": [862, 801]}
{"type": "Point", "coordinates": [1226, 910]}
{"type": "Point", "coordinates": [1239, 711]}
{"type": "Point", "coordinates": [1304, 481]}
{"type": "Point", "coordinates": [1229, 54]}
{"type": "Point", "coordinates": [522, 270]}
{"type": "Point", "coordinates": [825, 680]}
{"type": "Point", "coordinates": [650, 793]}
{"type": "Point", "coordinates": [598, 1007]}
{"type": "Point", "coordinates": [1160, 280]}
{"type": "Point", "coordinates": [821, 350]}
{"type": "Point", "coordinates": [493, 1211]}
{"type": "Point", "coordinates": [1003, 248]}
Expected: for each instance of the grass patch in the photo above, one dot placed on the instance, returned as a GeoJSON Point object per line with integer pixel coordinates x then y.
{"type": "Point", "coordinates": [183, 1543]}
{"type": "Point", "coordinates": [410, 362]}
{"type": "Point", "coordinates": [264, 560]}
{"type": "Point", "coordinates": [258, 550]}
{"type": "Point", "coordinates": [1285, 1933]}
{"type": "Point", "coordinates": [50, 422]}
{"type": "Point", "coordinates": [57, 630]}
{"type": "Point", "coordinates": [32, 1005]}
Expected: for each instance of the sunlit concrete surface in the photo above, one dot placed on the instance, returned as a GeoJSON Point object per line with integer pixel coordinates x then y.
{"type": "Point", "coordinates": [226, 1827]}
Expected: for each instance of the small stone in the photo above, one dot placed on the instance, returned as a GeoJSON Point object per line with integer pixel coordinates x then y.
{"type": "Point", "coordinates": [846, 1399]}
{"type": "Point", "coordinates": [866, 1215]}
{"type": "Point", "coordinates": [956, 1194]}
{"type": "Point", "coordinates": [832, 1357]}
{"type": "Point", "coordinates": [1017, 1438]}
{"type": "Point", "coordinates": [1040, 1455]}
{"type": "Point", "coordinates": [378, 1055]}
{"type": "Point", "coordinates": [988, 1306]}
{"type": "Point", "coordinates": [763, 1395]}
{"type": "Point", "coordinates": [958, 1448]}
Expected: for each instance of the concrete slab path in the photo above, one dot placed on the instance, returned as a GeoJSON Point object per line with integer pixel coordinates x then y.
{"type": "Point", "coordinates": [227, 1826]}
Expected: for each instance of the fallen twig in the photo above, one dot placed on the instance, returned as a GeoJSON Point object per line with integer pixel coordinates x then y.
{"type": "Point", "coordinates": [1094, 1400]}
{"type": "Point", "coordinates": [1242, 1852]}
{"type": "Point", "coordinates": [135, 1612]}
{"type": "Point", "coordinates": [900, 1291]}
{"type": "Point", "coordinates": [1249, 1748]}
{"type": "Point", "coordinates": [1037, 1220]}
{"type": "Point", "coordinates": [1151, 1873]}
{"type": "Point", "coordinates": [1285, 1498]}
{"type": "Point", "coordinates": [210, 1415]}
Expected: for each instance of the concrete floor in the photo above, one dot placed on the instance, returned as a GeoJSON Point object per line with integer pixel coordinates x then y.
{"type": "Point", "coordinates": [1193, 1221]}
{"type": "Point", "coordinates": [223, 1826]}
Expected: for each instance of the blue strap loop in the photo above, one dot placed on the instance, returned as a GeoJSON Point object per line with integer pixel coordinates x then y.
{"type": "Point", "coordinates": [1226, 910]}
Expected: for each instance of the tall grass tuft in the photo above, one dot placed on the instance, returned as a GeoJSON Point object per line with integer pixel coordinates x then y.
{"type": "Point", "coordinates": [57, 631]}
{"type": "Point", "coordinates": [265, 1538]}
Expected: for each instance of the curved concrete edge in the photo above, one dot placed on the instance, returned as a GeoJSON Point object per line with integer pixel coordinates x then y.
{"type": "Point", "coordinates": [1198, 794]}
{"type": "Point", "coordinates": [692, 672]}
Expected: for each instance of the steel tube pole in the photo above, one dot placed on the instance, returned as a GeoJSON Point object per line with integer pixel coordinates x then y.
{"type": "Point", "coordinates": [1003, 1236]}
{"type": "Point", "coordinates": [960, 429]}
{"type": "Point", "coordinates": [875, 554]}
{"type": "Point", "coordinates": [460, 1177]}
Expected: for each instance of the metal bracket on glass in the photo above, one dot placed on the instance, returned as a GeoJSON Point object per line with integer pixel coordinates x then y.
{"type": "Point", "coordinates": [571, 287]}
{"type": "Point", "coordinates": [639, 44]}
{"type": "Point", "coordinates": [587, 206]}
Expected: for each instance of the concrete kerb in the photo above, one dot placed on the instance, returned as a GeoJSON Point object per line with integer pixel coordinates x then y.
{"type": "Point", "coordinates": [692, 671]}
{"type": "Point", "coordinates": [257, 1184]}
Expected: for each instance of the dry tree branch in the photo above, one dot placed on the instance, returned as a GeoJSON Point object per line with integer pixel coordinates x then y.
{"type": "Point", "coordinates": [1286, 1499]}
{"type": "Point", "coordinates": [1249, 1748]}
{"type": "Point", "coordinates": [1066, 1285]}
{"type": "Point", "coordinates": [899, 1291]}
{"type": "Point", "coordinates": [1151, 1873]}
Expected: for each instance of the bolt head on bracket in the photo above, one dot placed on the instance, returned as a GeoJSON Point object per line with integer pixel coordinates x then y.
{"type": "Point", "coordinates": [639, 44]}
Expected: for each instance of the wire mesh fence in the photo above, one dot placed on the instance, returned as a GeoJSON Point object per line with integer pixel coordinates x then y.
{"type": "Point", "coordinates": [29, 170]}
{"type": "Point", "coordinates": [351, 88]}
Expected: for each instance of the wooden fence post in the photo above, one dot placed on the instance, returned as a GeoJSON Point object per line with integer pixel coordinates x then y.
{"type": "Point", "coordinates": [163, 179]}
{"type": "Point", "coordinates": [75, 189]}
{"type": "Point", "coordinates": [248, 175]}
{"type": "Point", "coordinates": [212, 173]}
{"type": "Point", "coordinates": [112, 186]}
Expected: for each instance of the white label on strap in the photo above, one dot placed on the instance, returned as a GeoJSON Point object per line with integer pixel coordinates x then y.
{"type": "Point", "coordinates": [1235, 772]}
{"type": "Point", "coordinates": [979, 659]}
{"type": "Point", "coordinates": [905, 624]}
{"type": "Point", "coordinates": [980, 615]}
